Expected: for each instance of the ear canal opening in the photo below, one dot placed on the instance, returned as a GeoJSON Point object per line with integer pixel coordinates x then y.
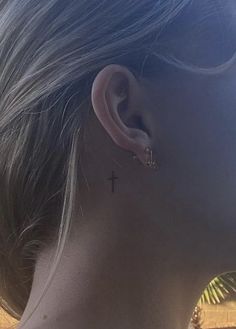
{"type": "Point", "coordinates": [136, 122]}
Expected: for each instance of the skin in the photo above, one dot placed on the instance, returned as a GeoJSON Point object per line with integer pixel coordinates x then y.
{"type": "Point", "coordinates": [140, 257]}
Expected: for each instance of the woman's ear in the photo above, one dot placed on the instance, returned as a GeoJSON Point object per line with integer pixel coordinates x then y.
{"type": "Point", "coordinates": [118, 102]}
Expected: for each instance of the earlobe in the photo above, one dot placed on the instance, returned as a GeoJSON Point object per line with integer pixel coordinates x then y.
{"type": "Point", "coordinates": [116, 100]}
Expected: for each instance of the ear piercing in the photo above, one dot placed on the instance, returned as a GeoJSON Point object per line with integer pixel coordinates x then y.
{"type": "Point", "coordinates": [149, 161]}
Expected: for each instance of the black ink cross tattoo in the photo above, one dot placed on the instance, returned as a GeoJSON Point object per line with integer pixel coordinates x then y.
{"type": "Point", "coordinates": [113, 178]}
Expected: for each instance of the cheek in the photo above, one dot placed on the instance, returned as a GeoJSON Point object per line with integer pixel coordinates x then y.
{"type": "Point", "coordinates": [197, 122]}
{"type": "Point", "coordinates": [198, 147]}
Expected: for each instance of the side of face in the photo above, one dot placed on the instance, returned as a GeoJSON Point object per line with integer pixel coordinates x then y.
{"type": "Point", "coordinates": [194, 125]}
{"type": "Point", "coordinates": [196, 114]}
{"type": "Point", "coordinates": [189, 120]}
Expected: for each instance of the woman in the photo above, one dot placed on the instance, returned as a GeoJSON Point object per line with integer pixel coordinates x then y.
{"type": "Point", "coordinates": [118, 166]}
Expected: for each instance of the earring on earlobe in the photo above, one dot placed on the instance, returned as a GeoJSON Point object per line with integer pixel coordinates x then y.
{"type": "Point", "coordinates": [149, 161]}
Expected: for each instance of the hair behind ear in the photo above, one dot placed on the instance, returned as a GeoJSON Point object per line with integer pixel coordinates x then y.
{"type": "Point", "coordinates": [50, 53]}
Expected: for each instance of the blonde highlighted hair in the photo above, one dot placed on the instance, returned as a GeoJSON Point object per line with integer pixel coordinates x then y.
{"type": "Point", "coordinates": [50, 52]}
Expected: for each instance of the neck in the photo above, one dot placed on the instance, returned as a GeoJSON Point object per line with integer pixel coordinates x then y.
{"type": "Point", "coordinates": [119, 274]}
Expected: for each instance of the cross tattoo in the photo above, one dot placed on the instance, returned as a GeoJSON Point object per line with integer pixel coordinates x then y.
{"type": "Point", "coordinates": [113, 178]}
